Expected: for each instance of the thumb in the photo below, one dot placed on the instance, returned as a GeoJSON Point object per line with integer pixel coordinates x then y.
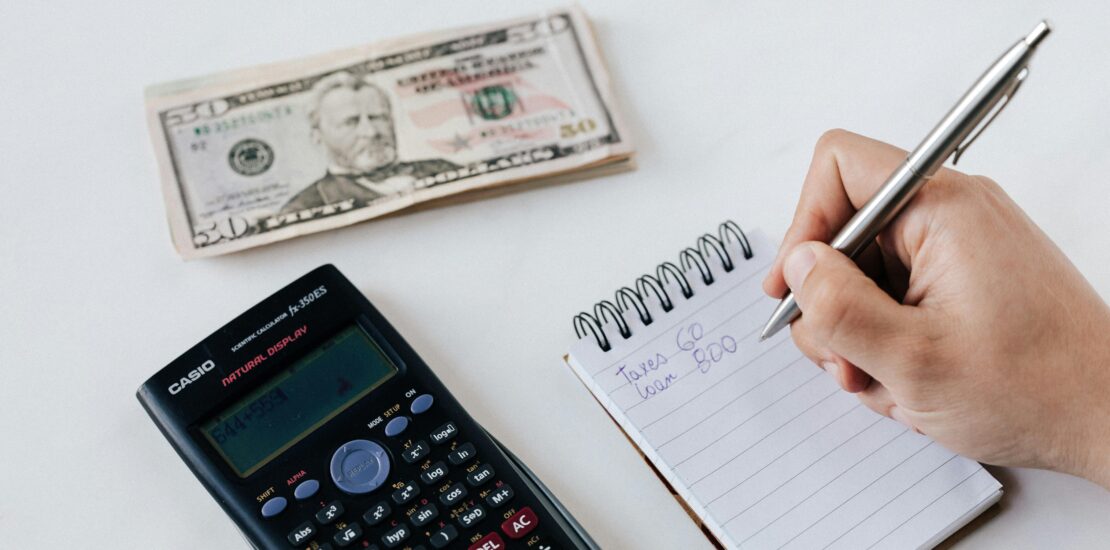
{"type": "Point", "coordinates": [846, 313]}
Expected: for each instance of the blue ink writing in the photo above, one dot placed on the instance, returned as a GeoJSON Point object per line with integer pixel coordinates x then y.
{"type": "Point", "coordinates": [639, 376]}
{"type": "Point", "coordinates": [689, 338]}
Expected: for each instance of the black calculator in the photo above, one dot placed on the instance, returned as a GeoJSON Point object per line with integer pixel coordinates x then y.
{"type": "Point", "coordinates": [314, 425]}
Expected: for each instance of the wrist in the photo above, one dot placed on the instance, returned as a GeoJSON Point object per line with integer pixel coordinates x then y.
{"type": "Point", "coordinates": [1094, 446]}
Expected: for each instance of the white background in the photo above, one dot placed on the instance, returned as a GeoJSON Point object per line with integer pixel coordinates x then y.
{"type": "Point", "coordinates": [724, 100]}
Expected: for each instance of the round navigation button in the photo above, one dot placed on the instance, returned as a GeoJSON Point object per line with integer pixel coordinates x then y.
{"type": "Point", "coordinates": [359, 466]}
{"type": "Point", "coordinates": [422, 403]}
{"type": "Point", "coordinates": [273, 507]}
{"type": "Point", "coordinates": [396, 426]}
{"type": "Point", "coordinates": [306, 489]}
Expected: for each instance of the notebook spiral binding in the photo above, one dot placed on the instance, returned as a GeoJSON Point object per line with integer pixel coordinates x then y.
{"type": "Point", "coordinates": [650, 286]}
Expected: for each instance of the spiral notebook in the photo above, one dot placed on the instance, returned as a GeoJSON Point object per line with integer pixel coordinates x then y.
{"type": "Point", "coordinates": [761, 446]}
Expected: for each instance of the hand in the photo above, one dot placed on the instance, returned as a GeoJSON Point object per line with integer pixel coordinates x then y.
{"type": "Point", "coordinates": [963, 320]}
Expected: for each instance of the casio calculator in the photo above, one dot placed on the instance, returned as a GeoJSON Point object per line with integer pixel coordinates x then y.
{"type": "Point", "coordinates": [316, 426]}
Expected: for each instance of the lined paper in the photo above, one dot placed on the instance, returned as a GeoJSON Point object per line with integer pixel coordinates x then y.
{"type": "Point", "coordinates": [762, 445]}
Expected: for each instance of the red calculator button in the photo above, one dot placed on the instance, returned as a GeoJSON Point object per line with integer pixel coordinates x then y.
{"type": "Point", "coordinates": [491, 541]}
{"type": "Point", "coordinates": [520, 524]}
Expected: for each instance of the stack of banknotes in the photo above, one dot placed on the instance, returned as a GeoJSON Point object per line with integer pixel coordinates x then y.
{"type": "Point", "coordinates": [264, 154]}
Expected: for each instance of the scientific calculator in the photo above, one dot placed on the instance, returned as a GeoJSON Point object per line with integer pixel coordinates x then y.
{"type": "Point", "coordinates": [315, 425]}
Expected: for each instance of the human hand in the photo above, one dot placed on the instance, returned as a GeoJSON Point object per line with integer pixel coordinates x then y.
{"type": "Point", "coordinates": [969, 326]}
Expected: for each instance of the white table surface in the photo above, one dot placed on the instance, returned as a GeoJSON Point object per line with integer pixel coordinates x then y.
{"type": "Point", "coordinates": [725, 101]}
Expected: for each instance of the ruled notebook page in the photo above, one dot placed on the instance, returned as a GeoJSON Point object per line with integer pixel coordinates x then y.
{"type": "Point", "coordinates": [762, 444]}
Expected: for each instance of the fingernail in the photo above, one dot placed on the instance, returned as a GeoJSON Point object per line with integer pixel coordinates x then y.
{"type": "Point", "coordinates": [833, 368]}
{"type": "Point", "coordinates": [898, 414]}
{"type": "Point", "coordinates": [798, 265]}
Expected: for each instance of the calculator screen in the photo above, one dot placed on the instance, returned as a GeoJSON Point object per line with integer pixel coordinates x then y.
{"type": "Point", "coordinates": [272, 418]}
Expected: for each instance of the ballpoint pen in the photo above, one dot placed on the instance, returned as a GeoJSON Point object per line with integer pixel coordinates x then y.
{"type": "Point", "coordinates": [981, 104]}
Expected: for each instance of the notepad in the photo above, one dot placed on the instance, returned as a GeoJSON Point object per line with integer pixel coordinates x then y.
{"type": "Point", "coordinates": [760, 444]}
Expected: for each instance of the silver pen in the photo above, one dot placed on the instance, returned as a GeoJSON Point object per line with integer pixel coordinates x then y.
{"type": "Point", "coordinates": [981, 104]}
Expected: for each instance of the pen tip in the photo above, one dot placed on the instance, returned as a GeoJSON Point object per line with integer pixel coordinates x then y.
{"type": "Point", "coordinates": [1039, 32]}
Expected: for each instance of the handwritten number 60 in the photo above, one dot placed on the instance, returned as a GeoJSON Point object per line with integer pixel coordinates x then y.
{"type": "Point", "coordinates": [688, 336]}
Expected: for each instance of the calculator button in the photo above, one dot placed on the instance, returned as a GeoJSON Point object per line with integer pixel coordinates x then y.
{"type": "Point", "coordinates": [329, 513]}
{"type": "Point", "coordinates": [396, 426]}
{"type": "Point", "coordinates": [273, 507]}
{"type": "Point", "coordinates": [443, 537]}
{"type": "Point", "coordinates": [351, 533]}
{"type": "Point", "coordinates": [324, 546]}
{"type": "Point", "coordinates": [416, 452]}
{"type": "Point", "coordinates": [520, 523]}
{"type": "Point", "coordinates": [432, 475]}
{"type": "Point", "coordinates": [423, 515]}
{"type": "Point", "coordinates": [377, 513]}
{"type": "Point", "coordinates": [302, 533]}
{"type": "Point", "coordinates": [491, 541]}
{"type": "Point", "coordinates": [444, 433]}
{"type": "Point", "coordinates": [500, 496]}
{"type": "Point", "coordinates": [483, 474]}
{"type": "Point", "coordinates": [472, 516]}
{"type": "Point", "coordinates": [406, 493]}
{"type": "Point", "coordinates": [306, 489]}
{"type": "Point", "coordinates": [359, 466]}
{"type": "Point", "coordinates": [463, 453]}
{"type": "Point", "coordinates": [453, 494]}
{"type": "Point", "coordinates": [422, 403]}
{"type": "Point", "coordinates": [396, 536]}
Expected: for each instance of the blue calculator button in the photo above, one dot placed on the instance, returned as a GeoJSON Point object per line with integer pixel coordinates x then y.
{"type": "Point", "coordinates": [422, 403]}
{"type": "Point", "coordinates": [359, 466]}
{"type": "Point", "coordinates": [396, 426]}
{"type": "Point", "coordinates": [273, 507]}
{"type": "Point", "coordinates": [306, 489]}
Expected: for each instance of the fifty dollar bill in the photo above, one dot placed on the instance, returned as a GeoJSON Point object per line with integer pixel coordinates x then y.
{"type": "Point", "coordinates": [264, 154]}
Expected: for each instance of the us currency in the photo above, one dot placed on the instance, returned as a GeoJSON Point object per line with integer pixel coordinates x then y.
{"type": "Point", "coordinates": [268, 153]}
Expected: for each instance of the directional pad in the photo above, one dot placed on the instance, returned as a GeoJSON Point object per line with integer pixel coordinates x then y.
{"type": "Point", "coordinates": [359, 466]}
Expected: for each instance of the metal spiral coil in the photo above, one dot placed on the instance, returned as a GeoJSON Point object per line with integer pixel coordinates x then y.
{"type": "Point", "coordinates": [654, 286]}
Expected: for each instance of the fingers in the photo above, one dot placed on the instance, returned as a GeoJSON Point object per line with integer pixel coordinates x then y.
{"type": "Point", "coordinates": [846, 318]}
{"type": "Point", "coordinates": [879, 399]}
{"type": "Point", "coordinates": [845, 172]}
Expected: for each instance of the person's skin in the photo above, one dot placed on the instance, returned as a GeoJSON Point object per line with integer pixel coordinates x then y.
{"type": "Point", "coordinates": [969, 325]}
{"type": "Point", "coordinates": [356, 129]}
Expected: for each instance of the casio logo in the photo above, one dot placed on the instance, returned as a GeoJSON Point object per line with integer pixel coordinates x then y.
{"type": "Point", "coordinates": [191, 376]}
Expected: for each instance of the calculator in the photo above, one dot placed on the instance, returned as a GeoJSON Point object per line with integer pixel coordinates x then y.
{"type": "Point", "coordinates": [314, 425]}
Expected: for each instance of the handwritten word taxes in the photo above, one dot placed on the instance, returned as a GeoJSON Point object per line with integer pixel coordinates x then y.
{"type": "Point", "coordinates": [695, 354]}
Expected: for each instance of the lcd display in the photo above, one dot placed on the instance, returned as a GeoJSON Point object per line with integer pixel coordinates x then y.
{"type": "Point", "coordinates": [275, 416]}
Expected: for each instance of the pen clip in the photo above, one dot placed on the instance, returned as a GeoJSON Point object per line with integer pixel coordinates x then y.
{"type": "Point", "coordinates": [1018, 80]}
